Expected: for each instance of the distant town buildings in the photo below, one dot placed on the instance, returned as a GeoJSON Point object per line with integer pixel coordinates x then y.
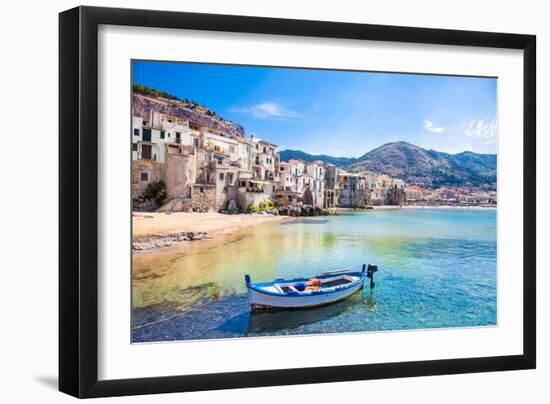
{"type": "Point", "coordinates": [209, 164]}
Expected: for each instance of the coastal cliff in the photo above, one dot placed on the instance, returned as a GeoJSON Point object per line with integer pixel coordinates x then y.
{"type": "Point", "coordinates": [202, 116]}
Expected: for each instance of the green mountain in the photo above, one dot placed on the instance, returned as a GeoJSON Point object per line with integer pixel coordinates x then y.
{"type": "Point", "coordinates": [287, 155]}
{"type": "Point", "coordinates": [416, 165]}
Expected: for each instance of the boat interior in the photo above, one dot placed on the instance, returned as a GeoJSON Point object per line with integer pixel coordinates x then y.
{"type": "Point", "coordinates": [323, 284]}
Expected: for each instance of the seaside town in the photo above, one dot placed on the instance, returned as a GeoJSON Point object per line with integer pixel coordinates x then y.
{"type": "Point", "coordinates": [241, 222]}
{"type": "Point", "coordinates": [187, 159]}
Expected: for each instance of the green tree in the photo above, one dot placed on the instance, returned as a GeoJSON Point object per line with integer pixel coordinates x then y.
{"type": "Point", "coordinates": [155, 191]}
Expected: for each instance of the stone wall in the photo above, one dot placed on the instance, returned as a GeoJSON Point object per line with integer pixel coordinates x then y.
{"type": "Point", "coordinates": [177, 205]}
{"type": "Point", "coordinates": [395, 196]}
{"type": "Point", "coordinates": [203, 196]}
{"type": "Point", "coordinates": [353, 198]}
{"type": "Point", "coordinates": [180, 175]}
{"type": "Point", "coordinates": [154, 173]}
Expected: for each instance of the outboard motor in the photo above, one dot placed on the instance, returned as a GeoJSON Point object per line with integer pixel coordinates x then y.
{"type": "Point", "coordinates": [371, 269]}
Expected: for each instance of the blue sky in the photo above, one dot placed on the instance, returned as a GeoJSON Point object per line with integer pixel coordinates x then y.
{"type": "Point", "coordinates": [337, 112]}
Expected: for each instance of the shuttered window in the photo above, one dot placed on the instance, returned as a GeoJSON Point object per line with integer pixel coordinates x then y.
{"type": "Point", "coordinates": [146, 135]}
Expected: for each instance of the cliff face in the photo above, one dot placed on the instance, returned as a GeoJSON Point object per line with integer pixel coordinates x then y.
{"type": "Point", "coordinates": [142, 106]}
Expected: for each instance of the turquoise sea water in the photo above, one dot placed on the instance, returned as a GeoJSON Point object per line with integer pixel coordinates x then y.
{"type": "Point", "coordinates": [437, 268]}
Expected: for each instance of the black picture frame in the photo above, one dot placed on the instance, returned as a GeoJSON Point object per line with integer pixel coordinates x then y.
{"type": "Point", "coordinates": [78, 200]}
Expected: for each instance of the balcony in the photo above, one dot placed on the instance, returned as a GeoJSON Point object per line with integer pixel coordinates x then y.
{"type": "Point", "coordinates": [255, 190]}
{"type": "Point", "coordinates": [215, 148]}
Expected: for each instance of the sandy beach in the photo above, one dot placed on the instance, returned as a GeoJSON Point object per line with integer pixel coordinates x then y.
{"type": "Point", "coordinates": [160, 224]}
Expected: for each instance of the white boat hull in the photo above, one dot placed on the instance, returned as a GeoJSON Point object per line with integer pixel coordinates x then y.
{"type": "Point", "coordinates": [259, 300]}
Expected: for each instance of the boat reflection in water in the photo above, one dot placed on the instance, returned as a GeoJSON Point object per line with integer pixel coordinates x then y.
{"type": "Point", "coordinates": [263, 322]}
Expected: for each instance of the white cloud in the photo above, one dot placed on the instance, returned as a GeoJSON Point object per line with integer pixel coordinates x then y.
{"type": "Point", "coordinates": [429, 125]}
{"type": "Point", "coordinates": [486, 129]}
{"type": "Point", "coordinates": [267, 109]}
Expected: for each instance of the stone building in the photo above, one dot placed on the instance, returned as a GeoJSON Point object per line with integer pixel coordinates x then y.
{"type": "Point", "coordinates": [332, 186]}
{"type": "Point", "coordinates": [143, 173]}
{"type": "Point", "coordinates": [395, 196]}
{"type": "Point", "coordinates": [354, 190]}
{"type": "Point", "coordinates": [208, 163]}
{"type": "Point", "coordinates": [315, 172]}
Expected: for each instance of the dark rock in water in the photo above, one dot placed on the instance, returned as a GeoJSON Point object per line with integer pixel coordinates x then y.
{"type": "Point", "coordinates": [302, 210]}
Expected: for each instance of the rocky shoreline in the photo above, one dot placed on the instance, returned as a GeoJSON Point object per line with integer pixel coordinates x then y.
{"type": "Point", "coordinates": [147, 243]}
{"type": "Point", "coordinates": [293, 211]}
{"type": "Point", "coordinates": [303, 210]}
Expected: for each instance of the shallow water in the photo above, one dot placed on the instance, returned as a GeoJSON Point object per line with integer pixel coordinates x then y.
{"type": "Point", "coordinates": [437, 268]}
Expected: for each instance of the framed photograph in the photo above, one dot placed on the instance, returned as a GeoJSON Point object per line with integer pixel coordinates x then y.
{"type": "Point", "coordinates": [252, 202]}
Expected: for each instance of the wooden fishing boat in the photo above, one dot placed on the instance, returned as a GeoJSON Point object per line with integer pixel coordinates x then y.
{"type": "Point", "coordinates": [325, 288]}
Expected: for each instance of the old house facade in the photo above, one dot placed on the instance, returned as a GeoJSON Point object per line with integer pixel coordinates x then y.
{"type": "Point", "coordinates": [208, 163]}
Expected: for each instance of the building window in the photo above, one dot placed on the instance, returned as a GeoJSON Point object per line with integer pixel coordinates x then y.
{"type": "Point", "coordinates": [146, 135]}
{"type": "Point", "coordinates": [178, 137]}
{"type": "Point", "coordinates": [232, 149]}
{"type": "Point", "coordinates": [222, 176]}
{"type": "Point", "coordinates": [201, 190]}
{"type": "Point", "coordinates": [145, 177]}
{"type": "Point", "coordinates": [136, 132]}
{"type": "Point", "coordinates": [230, 178]}
{"type": "Point", "coordinates": [162, 134]}
{"type": "Point", "coordinates": [134, 146]}
{"type": "Point", "coordinates": [196, 141]}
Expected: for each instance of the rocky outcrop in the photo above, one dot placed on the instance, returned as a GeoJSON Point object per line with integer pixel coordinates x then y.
{"type": "Point", "coordinates": [144, 206]}
{"type": "Point", "coordinates": [142, 106]}
{"type": "Point", "coordinates": [152, 242]}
